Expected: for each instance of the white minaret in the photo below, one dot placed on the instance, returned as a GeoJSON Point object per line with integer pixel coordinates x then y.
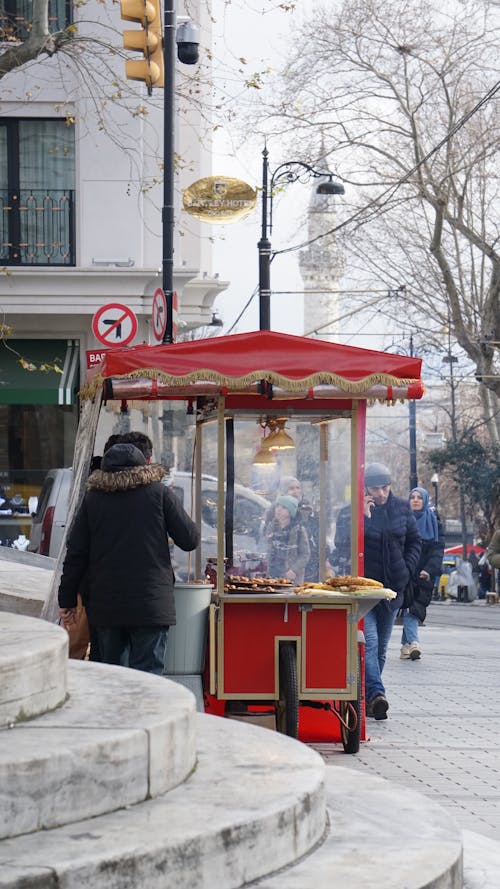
{"type": "Point", "coordinates": [321, 267]}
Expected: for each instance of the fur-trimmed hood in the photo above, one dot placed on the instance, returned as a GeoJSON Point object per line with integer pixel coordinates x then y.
{"type": "Point", "coordinates": [126, 479]}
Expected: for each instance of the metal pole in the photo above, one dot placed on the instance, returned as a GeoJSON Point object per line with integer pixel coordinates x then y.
{"type": "Point", "coordinates": [168, 219]}
{"type": "Point", "coordinates": [264, 247]}
{"type": "Point", "coordinates": [412, 427]}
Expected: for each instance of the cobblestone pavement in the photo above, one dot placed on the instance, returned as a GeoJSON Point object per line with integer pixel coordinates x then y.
{"type": "Point", "coordinates": [442, 736]}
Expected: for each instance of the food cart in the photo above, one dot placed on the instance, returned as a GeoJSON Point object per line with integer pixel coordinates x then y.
{"type": "Point", "coordinates": [273, 645]}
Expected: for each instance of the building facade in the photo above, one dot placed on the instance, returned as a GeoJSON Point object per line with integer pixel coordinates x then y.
{"type": "Point", "coordinates": [81, 189]}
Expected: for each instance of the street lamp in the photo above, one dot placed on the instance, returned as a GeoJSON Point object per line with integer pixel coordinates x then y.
{"type": "Point", "coordinates": [435, 485]}
{"type": "Point", "coordinates": [289, 171]}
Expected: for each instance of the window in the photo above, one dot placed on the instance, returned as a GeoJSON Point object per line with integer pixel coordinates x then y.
{"type": "Point", "coordinates": [37, 174]}
{"type": "Point", "coordinates": [16, 17]}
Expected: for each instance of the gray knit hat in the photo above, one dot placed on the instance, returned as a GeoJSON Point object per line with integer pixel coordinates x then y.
{"type": "Point", "coordinates": [377, 474]}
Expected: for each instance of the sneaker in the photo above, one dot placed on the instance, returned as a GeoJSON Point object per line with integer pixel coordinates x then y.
{"type": "Point", "coordinates": [405, 652]}
{"type": "Point", "coordinates": [379, 707]}
{"type": "Point", "coordinates": [415, 651]}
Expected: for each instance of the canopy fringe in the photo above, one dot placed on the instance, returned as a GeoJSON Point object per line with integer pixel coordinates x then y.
{"type": "Point", "coordinates": [90, 389]}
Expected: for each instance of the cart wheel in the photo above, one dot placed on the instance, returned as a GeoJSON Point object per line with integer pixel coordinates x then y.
{"type": "Point", "coordinates": [350, 712]}
{"type": "Point", "coordinates": [287, 710]}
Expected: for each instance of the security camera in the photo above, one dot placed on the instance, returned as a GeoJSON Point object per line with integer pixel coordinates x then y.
{"type": "Point", "coordinates": [188, 42]}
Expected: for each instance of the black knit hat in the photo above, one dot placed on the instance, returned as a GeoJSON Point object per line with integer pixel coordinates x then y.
{"type": "Point", "coordinates": [377, 474]}
{"type": "Point", "coordinates": [122, 456]}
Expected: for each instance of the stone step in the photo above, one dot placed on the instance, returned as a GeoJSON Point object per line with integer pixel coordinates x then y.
{"type": "Point", "coordinates": [25, 580]}
{"type": "Point", "coordinates": [122, 737]}
{"type": "Point", "coordinates": [33, 656]}
{"type": "Point", "coordinates": [380, 836]}
{"type": "Point", "coordinates": [255, 802]}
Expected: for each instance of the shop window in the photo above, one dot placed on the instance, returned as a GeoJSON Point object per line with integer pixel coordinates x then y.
{"type": "Point", "coordinates": [37, 176]}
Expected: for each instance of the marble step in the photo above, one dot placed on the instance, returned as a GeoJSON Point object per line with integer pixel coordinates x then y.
{"type": "Point", "coordinates": [33, 656]}
{"type": "Point", "coordinates": [255, 802]}
{"type": "Point", "coordinates": [380, 836]}
{"type": "Point", "coordinates": [121, 737]}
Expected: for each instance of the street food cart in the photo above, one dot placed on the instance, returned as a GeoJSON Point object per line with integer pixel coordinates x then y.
{"type": "Point", "coordinates": [271, 644]}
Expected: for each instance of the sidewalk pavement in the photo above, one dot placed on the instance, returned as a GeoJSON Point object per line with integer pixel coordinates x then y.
{"type": "Point", "coordinates": [442, 736]}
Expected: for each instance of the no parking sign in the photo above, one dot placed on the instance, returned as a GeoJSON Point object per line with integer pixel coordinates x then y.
{"type": "Point", "coordinates": [114, 325]}
{"type": "Point", "coordinates": [159, 314]}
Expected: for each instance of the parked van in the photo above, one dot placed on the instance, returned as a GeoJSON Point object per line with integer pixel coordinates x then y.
{"type": "Point", "coordinates": [248, 520]}
{"type": "Point", "coordinates": [250, 510]}
{"type": "Point", "coordinates": [49, 520]}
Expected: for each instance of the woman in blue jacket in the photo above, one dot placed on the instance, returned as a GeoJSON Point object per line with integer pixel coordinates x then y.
{"type": "Point", "coordinates": [419, 593]}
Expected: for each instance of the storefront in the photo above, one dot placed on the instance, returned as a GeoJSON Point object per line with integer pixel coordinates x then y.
{"type": "Point", "coordinates": [39, 381]}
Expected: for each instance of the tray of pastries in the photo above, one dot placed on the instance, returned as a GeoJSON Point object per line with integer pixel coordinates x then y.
{"type": "Point", "coordinates": [344, 583]}
{"type": "Point", "coordinates": [241, 584]}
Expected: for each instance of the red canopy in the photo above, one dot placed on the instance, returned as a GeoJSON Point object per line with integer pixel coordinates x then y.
{"type": "Point", "coordinates": [240, 361]}
{"type": "Point", "coordinates": [457, 550]}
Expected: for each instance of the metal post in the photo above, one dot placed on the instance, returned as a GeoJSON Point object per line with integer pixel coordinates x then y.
{"type": "Point", "coordinates": [264, 247]}
{"type": "Point", "coordinates": [168, 220]}
{"type": "Point", "coordinates": [412, 428]}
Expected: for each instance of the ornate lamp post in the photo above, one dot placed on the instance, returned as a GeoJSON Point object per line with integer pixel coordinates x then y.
{"type": "Point", "coordinates": [289, 171]}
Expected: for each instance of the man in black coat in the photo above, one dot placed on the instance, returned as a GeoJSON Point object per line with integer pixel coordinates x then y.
{"type": "Point", "coordinates": [391, 551]}
{"type": "Point", "coordinates": [119, 544]}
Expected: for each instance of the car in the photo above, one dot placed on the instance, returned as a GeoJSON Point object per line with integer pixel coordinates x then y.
{"type": "Point", "coordinates": [249, 515]}
{"type": "Point", "coordinates": [49, 520]}
{"type": "Point", "coordinates": [250, 508]}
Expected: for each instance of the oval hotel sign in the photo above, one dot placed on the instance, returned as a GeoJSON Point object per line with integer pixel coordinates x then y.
{"type": "Point", "coordinates": [219, 199]}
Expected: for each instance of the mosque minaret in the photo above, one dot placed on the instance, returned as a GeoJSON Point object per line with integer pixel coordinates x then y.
{"type": "Point", "coordinates": [321, 267]}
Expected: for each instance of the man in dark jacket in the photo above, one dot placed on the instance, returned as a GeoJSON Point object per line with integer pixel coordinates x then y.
{"type": "Point", "coordinates": [391, 551]}
{"type": "Point", "coordinates": [119, 542]}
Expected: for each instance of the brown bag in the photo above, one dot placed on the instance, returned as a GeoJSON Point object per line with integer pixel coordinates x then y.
{"type": "Point", "coordinates": [79, 634]}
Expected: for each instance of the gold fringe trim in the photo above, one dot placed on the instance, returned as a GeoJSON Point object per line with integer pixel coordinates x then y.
{"type": "Point", "coordinates": [353, 387]}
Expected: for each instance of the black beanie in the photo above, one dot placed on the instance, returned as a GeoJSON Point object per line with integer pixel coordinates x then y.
{"type": "Point", "coordinates": [122, 456]}
{"type": "Point", "coordinates": [377, 474]}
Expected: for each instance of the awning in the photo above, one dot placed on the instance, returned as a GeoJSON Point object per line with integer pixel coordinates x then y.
{"type": "Point", "coordinates": [40, 384]}
{"type": "Point", "coordinates": [295, 366]}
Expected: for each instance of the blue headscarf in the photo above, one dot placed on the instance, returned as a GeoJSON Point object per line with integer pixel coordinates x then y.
{"type": "Point", "coordinates": [426, 517]}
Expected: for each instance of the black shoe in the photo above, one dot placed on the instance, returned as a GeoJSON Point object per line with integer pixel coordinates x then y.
{"type": "Point", "coordinates": [379, 707]}
{"type": "Point", "coordinates": [368, 708]}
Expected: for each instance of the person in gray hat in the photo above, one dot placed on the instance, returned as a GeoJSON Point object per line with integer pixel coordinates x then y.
{"type": "Point", "coordinates": [391, 551]}
{"type": "Point", "coordinates": [119, 543]}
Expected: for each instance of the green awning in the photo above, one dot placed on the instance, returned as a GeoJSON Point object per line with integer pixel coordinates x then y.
{"type": "Point", "coordinates": [19, 385]}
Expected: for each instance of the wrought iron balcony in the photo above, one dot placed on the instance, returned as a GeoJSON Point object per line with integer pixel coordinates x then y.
{"type": "Point", "coordinates": [37, 227]}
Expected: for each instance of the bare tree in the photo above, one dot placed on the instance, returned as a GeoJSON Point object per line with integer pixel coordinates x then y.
{"type": "Point", "coordinates": [40, 40]}
{"type": "Point", "coordinates": [398, 99]}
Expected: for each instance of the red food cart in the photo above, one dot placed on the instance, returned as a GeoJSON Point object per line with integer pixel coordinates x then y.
{"type": "Point", "coordinates": [269, 646]}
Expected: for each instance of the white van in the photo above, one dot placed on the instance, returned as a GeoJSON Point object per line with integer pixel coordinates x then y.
{"type": "Point", "coordinates": [49, 521]}
{"type": "Point", "coordinates": [250, 510]}
{"type": "Point", "coordinates": [248, 521]}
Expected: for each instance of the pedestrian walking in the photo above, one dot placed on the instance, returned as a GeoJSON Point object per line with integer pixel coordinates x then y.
{"type": "Point", "coordinates": [418, 593]}
{"type": "Point", "coordinates": [391, 551]}
{"type": "Point", "coordinates": [119, 543]}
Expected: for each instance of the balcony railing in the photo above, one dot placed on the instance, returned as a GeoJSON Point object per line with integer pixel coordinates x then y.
{"type": "Point", "coordinates": [37, 227]}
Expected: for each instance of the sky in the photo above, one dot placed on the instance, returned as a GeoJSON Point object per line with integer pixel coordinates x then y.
{"type": "Point", "coordinates": [256, 30]}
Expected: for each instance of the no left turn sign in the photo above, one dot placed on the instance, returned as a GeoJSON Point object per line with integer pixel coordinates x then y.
{"type": "Point", "coordinates": [114, 325]}
{"type": "Point", "coordinates": [159, 314]}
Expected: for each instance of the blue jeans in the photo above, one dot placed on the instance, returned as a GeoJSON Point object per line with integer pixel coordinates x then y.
{"type": "Point", "coordinates": [140, 648]}
{"type": "Point", "coordinates": [410, 628]}
{"type": "Point", "coordinates": [378, 628]}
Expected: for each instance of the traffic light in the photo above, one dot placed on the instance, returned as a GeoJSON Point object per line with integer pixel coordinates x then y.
{"type": "Point", "coordinates": [147, 40]}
